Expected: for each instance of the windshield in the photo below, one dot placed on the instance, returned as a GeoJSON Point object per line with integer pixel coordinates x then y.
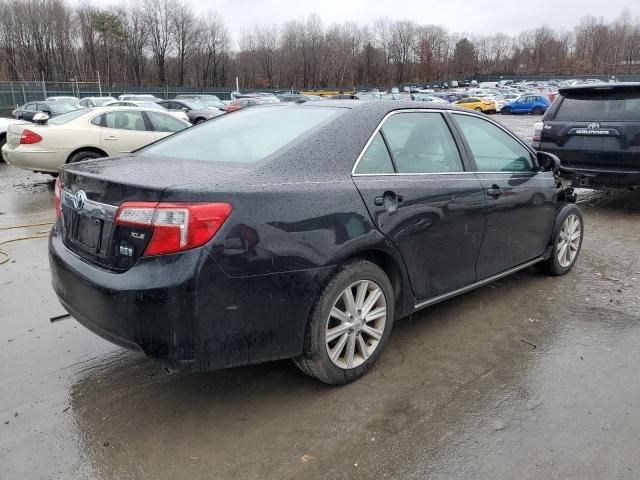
{"type": "Point", "coordinates": [194, 104]}
{"type": "Point", "coordinates": [214, 104]}
{"type": "Point", "coordinates": [208, 98]}
{"type": "Point", "coordinates": [246, 136]}
{"type": "Point", "coordinates": [101, 101]}
{"type": "Point", "coordinates": [61, 107]}
{"type": "Point", "coordinates": [152, 105]}
{"type": "Point", "coordinates": [67, 117]}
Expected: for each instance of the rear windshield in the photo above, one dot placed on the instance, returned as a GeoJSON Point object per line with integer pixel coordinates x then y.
{"type": "Point", "coordinates": [67, 117]}
{"type": "Point", "coordinates": [600, 106]}
{"type": "Point", "coordinates": [61, 107]}
{"type": "Point", "coordinates": [245, 136]}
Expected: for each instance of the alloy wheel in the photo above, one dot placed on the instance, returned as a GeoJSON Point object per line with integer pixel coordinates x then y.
{"type": "Point", "coordinates": [569, 241]}
{"type": "Point", "coordinates": [356, 324]}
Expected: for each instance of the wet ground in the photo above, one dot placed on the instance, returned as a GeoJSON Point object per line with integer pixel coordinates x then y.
{"type": "Point", "coordinates": [529, 378]}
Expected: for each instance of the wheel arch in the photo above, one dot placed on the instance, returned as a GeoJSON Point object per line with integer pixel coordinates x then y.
{"type": "Point", "coordinates": [393, 266]}
{"type": "Point", "coordinates": [86, 149]}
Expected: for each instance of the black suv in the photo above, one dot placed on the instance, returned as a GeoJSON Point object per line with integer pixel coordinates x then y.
{"type": "Point", "coordinates": [595, 130]}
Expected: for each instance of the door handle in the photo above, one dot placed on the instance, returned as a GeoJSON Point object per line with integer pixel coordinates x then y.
{"type": "Point", "coordinates": [111, 138]}
{"type": "Point", "coordinates": [389, 199]}
{"type": "Point", "coordinates": [495, 191]}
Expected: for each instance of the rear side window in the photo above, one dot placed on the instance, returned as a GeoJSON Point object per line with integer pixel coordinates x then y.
{"type": "Point", "coordinates": [600, 106]}
{"type": "Point", "coordinates": [376, 159]}
{"type": "Point", "coordinates": [421, 143]}
{"type": "Point", "coordinates": [245, 136]}
{"type": "Point", "coordinates": [493, 149]}
{"type": "Point", "coordinates": [125, 121]}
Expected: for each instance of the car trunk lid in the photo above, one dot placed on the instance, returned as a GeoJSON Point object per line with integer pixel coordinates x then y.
{"type": "Point", "coordinates": [92, 191]}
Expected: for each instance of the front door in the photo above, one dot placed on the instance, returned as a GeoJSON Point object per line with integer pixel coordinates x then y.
{"type": "Point", "coordinates": [421, 195]}
{"type": "Point", "coordinates": [124, 131]}
{"type": "Point", "coordinates": [520, 198]}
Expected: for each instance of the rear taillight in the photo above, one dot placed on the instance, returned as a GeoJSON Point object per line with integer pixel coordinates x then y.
{"type": "Point", "coordinates": [176, 226]}
{"type": "Point", "coordinates": [29, 138]}
{"type": "Point", "coordinates": [58, 198]}
{"type": "Point", "coordinates": [537, 132]}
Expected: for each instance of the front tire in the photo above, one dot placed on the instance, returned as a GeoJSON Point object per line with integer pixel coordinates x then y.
{"type": "Point", "coordinates": [349, 324]}
{"type": "Point", "coordinates": [567, 241]}
{"type": "Point", "coordinates": [505, 111]}
{"type": "Point", "coordinates": [198, 121]}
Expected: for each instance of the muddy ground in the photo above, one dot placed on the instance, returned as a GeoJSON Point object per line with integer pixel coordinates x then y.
{"type": "Point", "coordinates": [529, 378]}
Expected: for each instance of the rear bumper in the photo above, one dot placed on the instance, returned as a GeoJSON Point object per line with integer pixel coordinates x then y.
{"type": "Point", "coordinates": [35, 160]}
{"type": "Point", "coordinates": [184, 312]}
{"type": "Point", "coordinates": [606, 178]}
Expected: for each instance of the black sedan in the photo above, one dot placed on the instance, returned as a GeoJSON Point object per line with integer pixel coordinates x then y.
{"type": "Point", "coordinates": [302, 231]}
{"type": "Point", "coordinates": [53, 109]}
{"type": "Point", "coordinates": [196, 110]}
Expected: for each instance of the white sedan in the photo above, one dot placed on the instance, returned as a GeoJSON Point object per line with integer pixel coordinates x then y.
{"type": "Point", "coordinates": [85, 134]}
{"type": "Point", "coordinates": [147, 104]}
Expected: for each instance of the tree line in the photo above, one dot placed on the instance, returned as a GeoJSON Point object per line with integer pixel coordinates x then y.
{"type": "Point", "coordinates": [166, 42]}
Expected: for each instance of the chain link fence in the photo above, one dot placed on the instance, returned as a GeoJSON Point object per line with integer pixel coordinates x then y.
{"type": "Point", "coordinates": [13, 94]}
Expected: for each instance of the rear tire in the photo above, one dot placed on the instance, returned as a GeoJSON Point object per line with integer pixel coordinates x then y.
{"type": "Point", "coordinates": [84, 155]}
{"type": "Point", "coordinates": [198, 121]}
{"type": "Point", "coordinates": [568, 232]}
{"type": "Point", "coordinates": [478, 109]}
{"type": "Point", "coordinates": [505, 111]}
{"type": "Point", "coordinates": [537, 111]}
{"type": "Point", "coordinates": [349, 324]}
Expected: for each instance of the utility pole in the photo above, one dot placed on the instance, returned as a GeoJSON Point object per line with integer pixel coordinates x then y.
{"type": "Point", "coordinates": [99, 84]}
{"type": "Point", "coordinates": [44, 88]}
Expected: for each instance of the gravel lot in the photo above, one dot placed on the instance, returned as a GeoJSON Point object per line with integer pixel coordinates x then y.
{"type": "Point", "coordinates": [529, 378]}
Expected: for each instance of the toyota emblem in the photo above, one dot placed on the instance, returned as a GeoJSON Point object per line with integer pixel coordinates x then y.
{"type": "Point", "coordinates": [78, 199]}
{"type": "Point", "coordinates": [593, 126]}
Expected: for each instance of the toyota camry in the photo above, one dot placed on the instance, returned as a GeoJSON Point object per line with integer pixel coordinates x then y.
{"type": "Point", "coordinates": [302, 231]}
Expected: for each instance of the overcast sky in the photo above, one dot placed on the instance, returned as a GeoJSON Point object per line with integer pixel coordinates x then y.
{"type": "Point", "coordinates": [463, 16]}
{"type": "Point", "coordinates": [469, 16]}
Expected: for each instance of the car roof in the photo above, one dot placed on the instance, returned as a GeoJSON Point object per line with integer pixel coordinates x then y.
{"type": "Point", "coordinates": [374, 107]}
{"type": "Point", "coordinates": [599, 87]}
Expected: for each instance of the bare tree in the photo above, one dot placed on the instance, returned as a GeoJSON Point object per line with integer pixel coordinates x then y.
{"type": "Point", "coordinates": [158, 15]}
{"type": "Point", "coordinates": [186, 29]}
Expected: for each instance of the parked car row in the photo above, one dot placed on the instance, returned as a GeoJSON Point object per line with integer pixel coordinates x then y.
{"type": "Point", "coordinates": [81, 134]}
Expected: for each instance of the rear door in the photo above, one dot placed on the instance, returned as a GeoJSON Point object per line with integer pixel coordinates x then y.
{"type": "Point", "coordinates": [421, 194]}
{"type": "Point", "coordinates": [28, 111]}
{"type": "Point", "coordinates": [595, 129]}
{"type": "Point", "coordinates": [519, 105]}
{"type": "Point", "coordinates": [520, 211]}
{"type": "Point", "coordinates": [125, 131]}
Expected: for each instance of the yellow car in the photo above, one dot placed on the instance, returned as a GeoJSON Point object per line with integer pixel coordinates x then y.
{"type": "Point", "coordinates": [478, 104]}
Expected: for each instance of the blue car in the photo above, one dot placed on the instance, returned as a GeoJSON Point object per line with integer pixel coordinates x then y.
{"type": "Point", "coordinates": [535, 104]}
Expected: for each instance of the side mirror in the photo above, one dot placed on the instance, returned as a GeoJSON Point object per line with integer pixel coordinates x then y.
{"type": "Point", "coordinates": [47, 112]}
{"type": "Point", "coordinates": [185, 109]}
{"type": "Point", "coordinates": [548, 161]}
{"type": "Point", "coordinates": [41, 118]}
